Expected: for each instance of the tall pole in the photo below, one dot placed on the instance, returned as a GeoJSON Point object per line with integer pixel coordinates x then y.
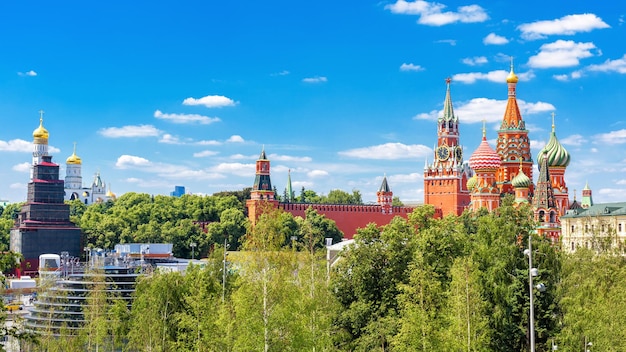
{"type": "Point", "coordinates": [224, 273]}
{"type": "Point", "coordinates": [530, 289]}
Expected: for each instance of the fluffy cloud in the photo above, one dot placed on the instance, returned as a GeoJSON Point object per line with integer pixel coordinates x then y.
{"type": "Point", "coordinates": [574, 140]}
{"type": "Point", "coordinates": [22, 167]}
{"type": "Point", "coordinates": [490, 110]}
{"type": "Point", "coordinates": [562, 53]}
{"type": "Point", "coordinates": [567, 25]}
{"type": "Point", "coordinates": [316, 79]}
{"type": "Point", "coordinates": [613, 137]}
{"type": "Point", "coordinates": [130, 131]}
{"type": "Point", "coordinates": [476, 60]}
{"type": "Point", "coordinates": [169, 139]}
{"type": "Point", "coordinates": [317, 173]}
{"type": "Point", "coordinates": [618, 65]}
{"type": "Point", "coordinates": [238, 169]}
{"type": "Point", "coordinates": [235, 139]}
{"type": "Point", "coordinates": [299, 159]}
{"type": "Point", "coordinates": [204, 154]}
{"type": "Point", "coordinates": [16, 145]}
{"type": "Point", "coordinates": [186, 118]}
{"type": "Point", "coordinates": [498, 76]}
{"type": "Point", "coordinates": [30, 73]}
{"type": "Point", "coordinates": [210, 101]}
{"type": "Point", "coordinates": [209, 142]}
{"type": "Point", "coordinates": [388, 151]}
{"type": "Point", "coordinates": [131, 161]}
{"type": "Point", "coordinates": [432, 13]}
{"type": "Point", "coordinates": [411, 67]}
{"type": "Point", "coordinates": [494, 39]}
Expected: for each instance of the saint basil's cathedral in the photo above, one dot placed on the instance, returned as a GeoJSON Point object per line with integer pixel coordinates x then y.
{"type": "Point", "coordinates": [452, 185]}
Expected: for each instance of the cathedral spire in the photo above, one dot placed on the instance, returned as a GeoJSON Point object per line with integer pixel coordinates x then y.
{"type": "Point", "coordinates": [448, 111]}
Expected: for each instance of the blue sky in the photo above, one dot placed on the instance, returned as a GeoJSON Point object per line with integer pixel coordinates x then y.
{"type": "Point", "coordinates": [157, 94]}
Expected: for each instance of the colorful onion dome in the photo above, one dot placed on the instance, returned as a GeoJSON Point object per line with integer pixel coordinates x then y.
{"type": "Point", "coordinates": [512, 77]}
{"type": "Point", "coordinates": [40, 132]}
{"type": "Point", "coordinates": [471, 183]}
{"type": "Point", "coordinates": [521, 180]}
{"type": "Point", "coordinates": [74, 159]}
{"type": "Point", "coordinates": [557, 155]}
{"type": "Point", "coordinates": [484, 157]}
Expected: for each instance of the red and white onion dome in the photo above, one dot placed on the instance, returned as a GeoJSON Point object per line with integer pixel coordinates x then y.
{"type": "Point", "coordinates": [485, 158]}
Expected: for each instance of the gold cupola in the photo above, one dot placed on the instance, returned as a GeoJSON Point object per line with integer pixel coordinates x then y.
{"type": "Point", "coordinates": [512, 77]}
{"type": "Point", "coordinates": [74, 159]}
{"type": "Point", "coordinates": [40, 134]}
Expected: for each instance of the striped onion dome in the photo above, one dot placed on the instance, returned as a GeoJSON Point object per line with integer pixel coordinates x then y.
{"type": "Point", "coordinates": [471, 183]}
{"type": "Point", "coordinates": [521, 180]}
{"type": "Point", "coordinates": [484, 157]}
{"type": "Point", "coordinates": [555, 152]}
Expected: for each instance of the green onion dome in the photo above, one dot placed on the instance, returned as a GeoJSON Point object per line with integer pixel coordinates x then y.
{"type": "Point", "coordinates": [521, 180]}
{"type": "Point", "coordinates": [471, 183]}
{"type": "Point", "coordinates": [555, 152]}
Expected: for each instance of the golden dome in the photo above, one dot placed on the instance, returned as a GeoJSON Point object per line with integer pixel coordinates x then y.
{"type": "Point", "coordinates": [512, 77]}
{"type": "Point", "coordinates": [110, 194]}
{"type": "Point", "coordinates": [40, 132]}
{"type": "Point", "coordinates": [74, 159]}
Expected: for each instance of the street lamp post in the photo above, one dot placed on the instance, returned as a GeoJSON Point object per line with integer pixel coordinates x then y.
{"type": "Point", "coordinates": [224, 272]}
{"type": "Point", "coordinates": [193, 247]}
{"type": "Point", "coordinates": [531, 328]}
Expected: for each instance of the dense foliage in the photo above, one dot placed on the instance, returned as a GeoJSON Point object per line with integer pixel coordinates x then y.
{"type": "Point", "coordinates": [416, 284]}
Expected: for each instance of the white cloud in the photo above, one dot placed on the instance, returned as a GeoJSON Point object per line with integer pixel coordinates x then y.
{"type": "Point", "coordinates": [204, 154]}
{"type": "Point", "coordinates": [478, 109]}
{"type": "Point", "coordinates": [131, 161]}
{"type": "Point", "coordinates": [566, 25]}
{"type": "Point", "coordinates": [431, 13]}
{"type": "Point", "coordinates": [613, 137]}
{"type": "Point", "coordinates": [476, 60]}
{"type": "Point", "coordinates": [316, 79]}
{"type": "Point", "coordinates": [281, 73]}
{"type": "Point", "coordinates": [235, 139]}
{"type": "Point", "coordinates": [186, 118]}
{"type": "Point", "coordinates": [30, 73]}
{"type": "Point", "coordinates": [22, 167]}
{"type": "Point", "coordinates": [238, 169]}
{"type": "Point", "coordinates": [209, 142]}
{"type": "Point", "coordinates": [130, 131]}
{"type": "Point", "coordinates": [411, 67]}
{"type": "Point", "coordinates": [498, 76]}
{"type": "Point", "coordinates": [452, 42]}
{"type": "Point", "coordinates": [575, 140]}
{"type": "Point", "coordinates": [618, 65]}
{"type": "Point", "coordinates": [17, 185]}
{"type": "Point", "coordinates": [408, 178]}
{"type": "Point", "coordinates": [562, 53]}
{"type": "Point", "coordinates": [317, 173]}
{"type": "Point", "coordinates": [16, 145]}
{"type": "Point", "coordinates": [299, 159]}
{"type": "Point", "coordinates": [471, 77]}
{"type": "Point", "coordinates": [494, 39]}
{"type": "Point", "coordinates": [388, 151]}
{"type": "Point", "coordinates": [169, 139]}
{"type": "Point", "coordinates": [210, 101]}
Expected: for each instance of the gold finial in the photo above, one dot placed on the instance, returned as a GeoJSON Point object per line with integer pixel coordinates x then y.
{"type": "Point", "coordinates": [520, 164]}
{"type": "Point", "coordinates": [484, 129]}
{"type": "Point", "coordinates": [553, 114]}
{"type": "Point", "coordinates": [41, 116]}
{"type": "Point", "coordinates": [512, 77]}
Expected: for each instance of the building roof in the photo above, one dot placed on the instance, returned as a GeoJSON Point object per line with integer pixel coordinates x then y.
{"type": "Point", "coordinates": [601, 209]}
{"type": "Point", "coordinates": [484, 157]}
{"type": "Point", "coordinates": [555, 152]}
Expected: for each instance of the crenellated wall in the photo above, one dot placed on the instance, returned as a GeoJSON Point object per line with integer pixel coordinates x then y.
{"type": "Point", "coordinates": [348, 217]}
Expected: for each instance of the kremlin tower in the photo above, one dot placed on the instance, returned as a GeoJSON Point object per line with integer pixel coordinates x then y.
{"type": "Point", "coordinates": [74, 189]}
{"type": "Point", "coordinates": [445, 179]}
{"type": "Point", "coordinates": [513, 144]}
{"type": "Point", "coordinates": [485, 163]}
{"type": "Point", "coordinates": [43, 224]}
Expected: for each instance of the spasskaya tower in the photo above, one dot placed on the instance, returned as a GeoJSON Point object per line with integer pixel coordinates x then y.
{"type": "Point", "coordinates": [445, 179]}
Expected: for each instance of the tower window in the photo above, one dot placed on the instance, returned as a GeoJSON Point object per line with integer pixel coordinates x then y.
{"type": "Point", "coordinates": [619, 226]}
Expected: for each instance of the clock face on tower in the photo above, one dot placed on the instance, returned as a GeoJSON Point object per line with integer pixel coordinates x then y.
{"type": "Point", "coordinates": [442, 153]}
